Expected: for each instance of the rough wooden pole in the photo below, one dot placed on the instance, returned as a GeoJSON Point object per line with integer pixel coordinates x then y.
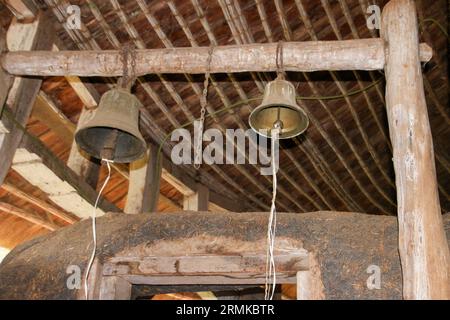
{"type": "Point", "coordinates": [29, 36]}
{"type": "Point", "coordinates": [423, 247]}
{"type": "Point", "coordinates": [143, 188]}
{"type": "Point", "coordinates": [5, 78]}
{"type": "Point", "coordinates": [198, 201]}
{"type": "Point", "coordinates": [361, 54]}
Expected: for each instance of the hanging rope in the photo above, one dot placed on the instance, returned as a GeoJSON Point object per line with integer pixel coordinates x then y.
{"type": "Point", "coordinates": [203, 103]}
{"type": "Point", "coordinates": [272, 224]}
{"type": "Point", "coordinates": [127, 80]}
{"type": "Point", "coordinates": [94, 230]}
{"type": "Point", "coordinates": [279, 61]}
{"type": "Point", "coordinates": [271, 275]}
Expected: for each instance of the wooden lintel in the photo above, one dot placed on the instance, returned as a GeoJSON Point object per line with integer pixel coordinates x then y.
{"type": "Point", "coordinates": [288, 261]}
{"type": "Point", "coordinates": [423, 246]}
{"type": "Point", "coordinates": [241, 279]}
{"type": "Point", "coordinates": [361, 54]}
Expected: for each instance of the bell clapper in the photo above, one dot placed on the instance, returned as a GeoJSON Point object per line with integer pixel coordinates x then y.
{"type": "Point", "coordinates": [278, 124]}
{"type": "Point", "coordinates": [109, 147]}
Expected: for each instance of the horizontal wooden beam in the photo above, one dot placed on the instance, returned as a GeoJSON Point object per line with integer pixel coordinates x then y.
{"type": "Point", "coordinates": [227, 279]}
{"type": "Point", "coordinates": [245, 268]}
{"type": "Point", "coordinates": [289, 260]}
{"type": "Point", "coordinates": [361, 54]}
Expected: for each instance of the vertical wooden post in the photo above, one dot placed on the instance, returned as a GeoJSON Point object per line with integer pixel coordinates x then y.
{"type": "Point", "coordinates": [30, 36]}
{"type": "Point", "coordinates": [94, 281]}
{"type": "Point", "coordinates": [304, 280]}
{"type": "Point", "coordinates": [5, 78]}
{"type": "Point", "coordinates": [423, 246]}
{"type": "Point", "coordinates": [114, 288]}
{"type": "Point", "coordinates": [143, 189]}
{"type": "Point", "coordinates": [197, 201]}
{"type": "Point", "coordinates": [309, 282]}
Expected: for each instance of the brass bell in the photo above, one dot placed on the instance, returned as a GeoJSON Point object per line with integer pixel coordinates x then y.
{"type": "Point", "coordinates": [113, 132]}
{"type": "Point", "coordinates": [279, 109]}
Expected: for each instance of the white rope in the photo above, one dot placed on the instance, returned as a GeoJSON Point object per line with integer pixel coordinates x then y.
{"type": "Point", "coordinates": [94, 228]}
{"type": "Point", "coordinates": [271, 228]}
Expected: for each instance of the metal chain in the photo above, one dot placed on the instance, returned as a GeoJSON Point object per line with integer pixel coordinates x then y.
{"type": "Point", "coordinates": [203, 104]}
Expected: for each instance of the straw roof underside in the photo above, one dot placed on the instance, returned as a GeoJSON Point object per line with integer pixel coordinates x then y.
{"type": "Point", "coordinates": [343, 162]}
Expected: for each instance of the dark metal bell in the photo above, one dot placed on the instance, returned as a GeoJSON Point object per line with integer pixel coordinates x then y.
{"type": "Point", "coordinates": [279, 109]}
{"type": "Point", "coordinates": [113, 132]}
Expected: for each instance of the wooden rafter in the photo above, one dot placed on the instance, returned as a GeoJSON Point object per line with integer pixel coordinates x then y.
{"type": "Point", "coordinates": [38, 203]}
{"type": "Point", "coordinates": [33, 218]}
{"type": "Point", "coordinates": [237, 19]}
{"type": "Point", "coordinates": [42, 168]}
